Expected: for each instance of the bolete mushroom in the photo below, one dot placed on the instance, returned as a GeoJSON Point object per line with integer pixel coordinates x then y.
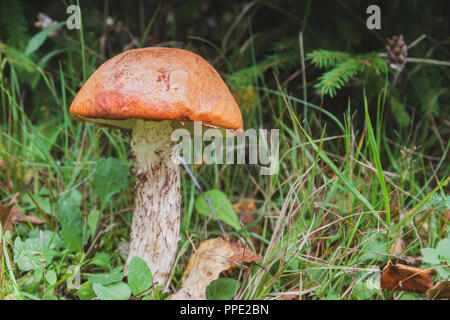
{"type": "Point", "coordinates": [151, 91]}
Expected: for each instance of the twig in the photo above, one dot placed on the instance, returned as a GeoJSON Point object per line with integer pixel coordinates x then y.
{"type": "Point", "coordinates": [415, 42]}
{"type": "Point", "coordinates": [135, 296]}
{"type": "Point", "coordinates": [207, 199]}
{"type": "Point", "coordinates": [422, 60]}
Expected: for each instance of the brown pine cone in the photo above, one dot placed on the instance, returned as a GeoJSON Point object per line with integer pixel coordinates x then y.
{"type": "Point", "coordinates": [397, 50]}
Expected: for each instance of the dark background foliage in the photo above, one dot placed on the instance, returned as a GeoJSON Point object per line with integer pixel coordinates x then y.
{"type": "Point", "coordinates": [274, 27]}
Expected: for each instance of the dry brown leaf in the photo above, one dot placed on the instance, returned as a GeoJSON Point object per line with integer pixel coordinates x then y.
{"type": "Point", "coordinates": [400, 277]}
{"type": "Point", "coordinates": [5, 216]}
{"type": "Point", "coordinates": [205, 265]}
{"type": "Point", "coordinates": [441, 290]}
{"type": "Point", "coordinates": [7, 224]}
{"type": "Point", "coordinates": [10, 214]}
{"type": "Point", "coordinates": [244, 208]}
{"type": "Point", "coordinates": [242, 254]}
{"type": "Point", "coordinates": [17, 217]}
{"type": "Point", "coordinates": [212, 257]}
{"type": "Point", "coordinates": [244, 205]}
{"type": "Point", "coordinates": [2, 164]}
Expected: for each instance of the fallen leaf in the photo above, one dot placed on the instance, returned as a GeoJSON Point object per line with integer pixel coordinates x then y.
{"type": "Point", "coordinates": [400, 277]}
{"type": "Point", "coordinates": [441, 290]}
{"type": "Point", "coordinates": [241, 254]}
{"type": "Point", "coordinates": [244, 205]}
{"type": "Point", "coordinates": [244, 208]}
{"type": "Point", "coordinates": [210, 259]}
{"type": "Point", "coordinates": [7, 225]}
{"type": "Point", "coordinates": [5, 216]}
{"type": "Point", "coordinates": [213, 257]}
{"type": "Point", "coordinates": [10, 215]}
{"type": "Point", "coordinates": [17, 217]}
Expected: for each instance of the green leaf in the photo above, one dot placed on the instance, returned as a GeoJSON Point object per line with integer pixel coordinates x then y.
{"type": "Point", "coordinates": [222, 289]}
{"type": "Point", "coordinates": [7, 237]}
{"type": "Point", "coordinates": [221, 205]}
{"type": "Point", "coordinates": [42, 203]}
{"type": "Point", "coordinates": [373, 248]}
{"type": "Point", "coordinates": [139, 276]}
{"type": "Point", "coordinates": [93, 218]}
{"type": "Point", "coordinates": [444, 273]}
{"type": "Point", "coordinates": [430, 255]}
{"type": "Point", "coordinates": [376, 158]}
{"type": "Point", "coordinates": [332, 296]}
{"type": "Point", "coordinates": [110, 178]}
{"type": "Point", "coordinates": [115, 291]}
{"type": "Point", "coordinates": [31, 253]}
{"type": "Point", "coordinates": [69, 216]}
{"type": "Point", "coordinates": [102, 259]}
{"type": "Point", "coordinates": [38, 39]}
{"type": "Point", "coordinates": [86, 292]}
{"type": "Point", "coordinates": [443, 249]}
{"type": "Point", "coordinates": [105, 279]}
{"type": "Point", "coordinates": [50, 276]}
{"type": "Point", "coordinates": [37, 274]}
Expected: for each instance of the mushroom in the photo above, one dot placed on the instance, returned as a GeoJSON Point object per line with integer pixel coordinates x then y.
{"type": "Point", "coordinates": [152, 91]}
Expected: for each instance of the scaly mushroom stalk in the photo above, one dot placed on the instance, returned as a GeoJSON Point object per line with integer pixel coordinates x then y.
{"type": "Point", "coordinates": [156, 218]}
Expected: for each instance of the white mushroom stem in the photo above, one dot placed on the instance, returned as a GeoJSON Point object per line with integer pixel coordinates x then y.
{"type": "Point", "coordinates": [156, 219]}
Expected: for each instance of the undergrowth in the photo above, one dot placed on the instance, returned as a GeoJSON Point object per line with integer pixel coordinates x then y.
{"type": "Point", "coordinates": [363, 161]}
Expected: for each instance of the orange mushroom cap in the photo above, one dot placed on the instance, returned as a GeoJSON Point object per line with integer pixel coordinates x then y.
{"type": "Point", "coordinates": [157, 84]}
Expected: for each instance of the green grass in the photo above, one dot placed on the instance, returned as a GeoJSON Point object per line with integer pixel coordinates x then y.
{"type": "Point", "coordinates": [323, 233]}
